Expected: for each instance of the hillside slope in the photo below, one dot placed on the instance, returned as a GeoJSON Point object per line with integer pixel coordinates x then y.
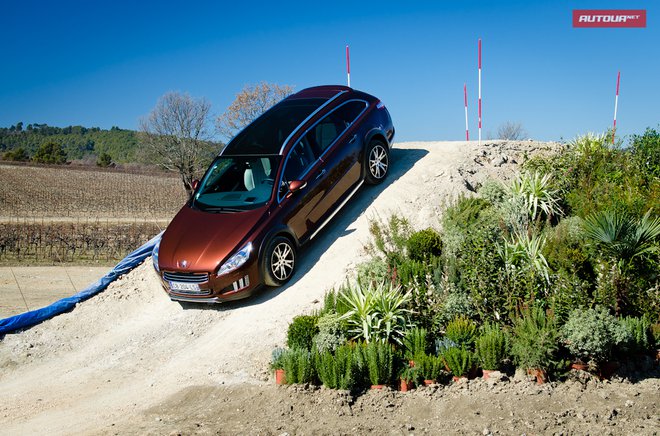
{"type": "Point", "coordinates": [125, 351]}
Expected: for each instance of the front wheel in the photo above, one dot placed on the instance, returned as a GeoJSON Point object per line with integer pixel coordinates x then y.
{"type": "Point", "coordinates": [377, 162]}
{"type": "Point", "coordinates": [279, 261]}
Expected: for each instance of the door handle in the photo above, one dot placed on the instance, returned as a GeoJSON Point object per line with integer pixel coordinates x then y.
{"type": "Point", "coordinates": [352, 140]}
{"type": "Point", "coordinates": [319, 175]}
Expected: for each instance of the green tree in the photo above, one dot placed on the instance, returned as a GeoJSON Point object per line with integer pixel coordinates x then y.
{"type": "Point", "coordinates": [104, 160]}
{"type": "Point", "coordinates": [17, 155]}
{"type": "Point", "coordinates": [51, 153]}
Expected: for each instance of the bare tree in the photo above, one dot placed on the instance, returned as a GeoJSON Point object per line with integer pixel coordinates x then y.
{"type": "Point", "coordinates": [512, 131]}
{"type": "Point", "coordinates": [175, 135]}
{"type": "Point", "coordinates": [251, 102]}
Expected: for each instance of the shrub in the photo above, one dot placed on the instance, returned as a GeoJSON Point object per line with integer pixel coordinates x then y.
{"type": "Point", "coordinates": [331, 333]}
{"type": "Point", "coordinates": [277, 358]}
{"type": "Point", "coordinates": [456, 304]}
{"type": "Point", "coordinates": [535, 340]}
{"type": "Point", "coordinates": [338, 370]}
{"type": "Point", "coordinates": [415, 342]}
{"type": "Point", "coordinates": [540, 197]}
{"type": "Point", "coordinates": [646, 152]}
{"type": "Point", "coordinates": [375, 270]}
{"type": "Point", "coordinates": [411, 374]}
{"type": "Point", "coordinates": [298, 366]}
{"type": "Point", "coordinates": [639, 334]}
{"type": "Point", "coordinates": [376, 313]}
{"type": "Point", "coordinates": [459, 360]}
{"type": "Point", "coordinates": [301, 332]}
{"type": "Point", "coordinates": [461, 331]}
{"type": "Point", "coordinates": [492, 191]}
{"type": "Point", "coordinates": [491, 347]}
{"type": "Point", "coordinates": [592, 334]}
{"type": "Point", "coordinates": [430, 367]}
{"type": "Point", "coordinates": [380, 362]}
{"type": "Point", "coordinates": [424, 244]}
{"type": "Point", "coordinates": [390, 238]}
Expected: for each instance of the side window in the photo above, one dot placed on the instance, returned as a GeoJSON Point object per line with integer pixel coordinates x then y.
{"type": "Point", "coordinates": [301, 158]}
{"type": "Point", "coordinates": [328, 129]}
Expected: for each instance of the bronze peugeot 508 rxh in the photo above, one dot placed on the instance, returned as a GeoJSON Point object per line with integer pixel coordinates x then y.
{"type": "Point", "coordinates": [271, 189]}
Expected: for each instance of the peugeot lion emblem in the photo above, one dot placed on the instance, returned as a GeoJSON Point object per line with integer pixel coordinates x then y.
{"type": "Point", "coordinates": [183, 264]}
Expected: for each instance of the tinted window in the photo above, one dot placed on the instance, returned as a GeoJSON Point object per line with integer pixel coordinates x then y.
{"type": "Point", "coordinates": [267, 133]}
{"type": "Point", "coordinates": [330, 127]}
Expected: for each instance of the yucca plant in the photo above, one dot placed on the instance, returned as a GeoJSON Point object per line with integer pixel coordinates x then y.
{"type": "Point", "coordinates": [537, 193]}
{"type": "Point", "coordinates": [585, 145]}
{"type": "Point", "coordinates": [525, 253]}
{"type": "Point", "coordinates": [376, 312]}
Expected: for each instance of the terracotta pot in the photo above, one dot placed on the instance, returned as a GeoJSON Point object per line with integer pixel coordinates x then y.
{"type": "Point", "coordinates": [540, 374]}
{"type": "Point", "coordinates": [486, 373]}
{"type": "Point", "coordinates": [411, 363]}
{"type": "Point", "coordinates": [377, 387]}
{"type": "Point", "coordinates": [457, 379]}
{"type": "Point", "coordinates": [280, 377]}
{"type": "Point", "coordinates": [405, 385]}
{"type": "Point", "coordinates": [429, 382]}
{"type": "Point", "coordinates": [579, 366]}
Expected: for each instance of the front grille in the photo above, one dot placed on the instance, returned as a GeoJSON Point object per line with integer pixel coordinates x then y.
{"type": "Point", "coordinates": [186, 277]}
{"type": "Point", "coordinates": [200, 293]}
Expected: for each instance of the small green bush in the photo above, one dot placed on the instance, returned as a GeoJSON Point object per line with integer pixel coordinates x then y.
{"type": "Point", "coordinates": [424, 245]}
{"type": "Point", "coordinates": [491, 347]}
{"type": "Point", "coordinates": [492, 191]}
{"type": "Point", "coordinates": [390, 238]}
{"type": "Point", "coordinates": [374, 270]}
{"type": "Point", "coordinates": [332, 332]}
{"type": "Point", "coordinates": [592, 334]}
{"type": "Point", "coordinates": [459, 360]}
{"type": "Point", "coordinates": [298, 365]}
{"type": "Point", "coordinates": [277, 358]}
{"type": "Point", "coordinates": [430, 366]}
{"type": "Point", "coordinates": [456, 304]}
{"type": "Point", "coordinates": [338, 370]}
{"type": "Point", "coordinates": [411, 374]}
{"type": "Point", "coordinates": [301, 332]}
{"type": "Point", "coordinates": [535, 340]}
{"type": "Point", "coordinates": [380, 362]}
{"type": "Point", "coordinates": [639, 334]}
{"type": "Point", "coordinates": [461, 331]}
{"type": "Point", "coordinates": [415, 342]}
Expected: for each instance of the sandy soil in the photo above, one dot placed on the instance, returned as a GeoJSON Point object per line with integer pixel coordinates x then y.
{"type": "Point", "coordinates": [132, 361]}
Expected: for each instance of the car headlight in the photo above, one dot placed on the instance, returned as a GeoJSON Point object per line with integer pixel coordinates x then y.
{"type": "Point", "coordinates": [237, 260]}
{"type": "Point", "coordinates": [154, 256]}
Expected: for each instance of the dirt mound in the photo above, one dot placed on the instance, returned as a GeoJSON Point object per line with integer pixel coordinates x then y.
{"type": "Point", "coordinates": [121, 355]}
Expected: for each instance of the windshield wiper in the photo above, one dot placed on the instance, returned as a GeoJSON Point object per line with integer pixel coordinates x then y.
{"type": "Point", "coordinates": [221, 209]}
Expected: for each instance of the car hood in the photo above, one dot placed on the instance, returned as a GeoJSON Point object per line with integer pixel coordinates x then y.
{"type": "Point", "coordinates": [204, 239]}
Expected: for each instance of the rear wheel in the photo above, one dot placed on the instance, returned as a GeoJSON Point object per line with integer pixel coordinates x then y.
{"type": "Point", "coordinates": [377, 162]}
{"type": "Point", "coordinates": [279, 261]}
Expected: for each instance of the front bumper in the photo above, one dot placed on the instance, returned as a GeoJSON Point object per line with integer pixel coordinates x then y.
{"type": "Point", "coordinates": [235, 285]}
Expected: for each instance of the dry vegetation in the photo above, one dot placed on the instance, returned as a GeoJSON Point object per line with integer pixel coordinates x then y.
{"type": "Point", "coordinates": [55, 214]}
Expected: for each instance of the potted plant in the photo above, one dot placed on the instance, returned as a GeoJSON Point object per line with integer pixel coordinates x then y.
{"type": "Point", "coordinates": [461, 331]}
{"type": "Point", "coordinates": [590, 335]}
{"type": "Point", "coordinates": [491, 348]}
{"type": "Point", "coordinates": [380, 363]}
{"type": "Point", "coordinates": [408, 378]}
{"type": "Point", "coordinates": [415, 344]}
{"type": "Point", "coordinates": [534, 342]}
{"type": "Point", "coordinates": [430, 368]}
{"type": "Point", "coordinates": [460, 361]}
{"type": "Point", "coordinates": [298, 366]}
{"type": "Point", "coordinates": [277, 365]}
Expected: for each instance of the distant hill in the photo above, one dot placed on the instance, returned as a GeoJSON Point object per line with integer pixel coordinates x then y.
{"type": "Point", "coordinates": [78, 142]}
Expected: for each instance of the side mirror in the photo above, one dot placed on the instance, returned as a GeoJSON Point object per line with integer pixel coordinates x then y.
{"type": "Point", "coordinates": [296, 186]}
{"type": "Point", "coordinates": [195, 184]}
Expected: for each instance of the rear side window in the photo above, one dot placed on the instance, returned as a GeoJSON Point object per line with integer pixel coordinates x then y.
{"type": "Point", "coordinates": [334, 124]}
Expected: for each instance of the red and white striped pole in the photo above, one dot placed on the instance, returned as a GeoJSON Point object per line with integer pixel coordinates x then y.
{"type": "Point", "coordinates": [348, 66]}
{"type": "Point", "coordinates": [467, 131]}
{"type": "Point", "coordinates": [479, 91]}
{"type": "Point", "coordinates": [616, 103]}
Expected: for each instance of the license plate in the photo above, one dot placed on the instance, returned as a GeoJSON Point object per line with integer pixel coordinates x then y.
{"type": "Point", "coordinates": [178, 286]}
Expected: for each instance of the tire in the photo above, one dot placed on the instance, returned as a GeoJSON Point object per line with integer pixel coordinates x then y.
{"type": "Point", "coordinates": [279, 261]}
{"type": "Point", "coordinates": [376, 162]}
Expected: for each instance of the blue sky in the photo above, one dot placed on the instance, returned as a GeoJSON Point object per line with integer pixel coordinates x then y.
{"type": "Point", "coordinates": [107, 63]}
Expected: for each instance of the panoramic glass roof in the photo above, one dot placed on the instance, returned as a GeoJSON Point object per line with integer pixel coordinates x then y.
{"type": "Point", "coordinates": [267, 133]}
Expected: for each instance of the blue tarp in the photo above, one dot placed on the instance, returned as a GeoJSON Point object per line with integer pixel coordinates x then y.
{"type": "Point", "coordinates": [34, 317]}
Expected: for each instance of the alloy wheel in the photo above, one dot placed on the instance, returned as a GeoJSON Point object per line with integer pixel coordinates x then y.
{"type": "Point", "coordinates": [378, 162]}
{"type": "Point", "coordinates": [282, 261]}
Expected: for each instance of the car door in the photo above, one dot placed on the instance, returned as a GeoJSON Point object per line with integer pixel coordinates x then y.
{"type": "Point", "coordinates": [339, 139]}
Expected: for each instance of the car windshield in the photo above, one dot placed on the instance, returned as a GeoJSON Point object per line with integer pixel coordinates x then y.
{"type": "Point", "coordinates": [237, 183]}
